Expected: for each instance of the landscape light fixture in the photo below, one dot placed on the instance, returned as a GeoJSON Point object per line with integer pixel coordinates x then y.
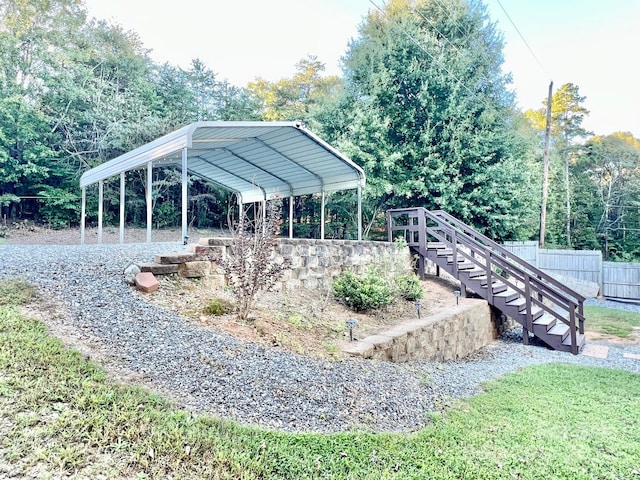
{"type": "Point", "coordinates": [418, 307]}
{"type": "Point", "coordinates": [351, 323]}
{"type": "Point", "coordinates": [457, 293]}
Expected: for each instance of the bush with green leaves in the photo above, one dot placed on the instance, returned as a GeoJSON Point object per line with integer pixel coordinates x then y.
{"type": "Point", "coordinates": [407, 287]}
{"type": "Point", "coordinates": [389, 278]}
{"type": "Point", "coordinates": [218, 307]}
{"type": "Point", "coordinates": [366, 292]}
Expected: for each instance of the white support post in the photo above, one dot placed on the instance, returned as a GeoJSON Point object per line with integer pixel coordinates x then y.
{"type": "Point", "coordinates": [185, 199]}
{"type": "Point", "coordinates": [322, 215]}
{"type": "Point", "coordinates": [359, 212]}
{"type": "Point", "coordinates": [291, 216]}
{"type": "Point", "coordinates": [264, 217]}
{"type": "Point", "coordinates": [149, 200]}
{"type": "Point", "coordinates": [83, 215]}
{"type": "Point", "coordinates": [100, 201]}
{"type": "Point", "coordinates": [122, 196]}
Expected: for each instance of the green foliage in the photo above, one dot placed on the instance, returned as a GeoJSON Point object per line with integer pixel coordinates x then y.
{"type": "Point", "coordinates": [390, 277]}
{"type": "Point", "coordinates": [59, 207]}
{"type": "Point", "coordinates": [218, 307]}
{"type": "Point", "coordinates": [294, 98]}
{"type": "Point", "coordinates": [366, 292]}
{"type": "Point", "coordinates": [433, 123]}
{"type": "Point", "coordinates": [408, 287]}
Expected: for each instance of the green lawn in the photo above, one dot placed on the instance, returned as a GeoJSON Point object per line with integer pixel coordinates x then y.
{"type": "Point", "coordinates": [60, 415]}
{"type": "Point", "coordinates": [611, 322]}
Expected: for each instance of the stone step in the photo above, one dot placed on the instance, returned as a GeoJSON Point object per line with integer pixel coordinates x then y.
{"type": "Point", "coordinates": [159, 268]}
{"type": "Point", "coordinates": [213, 252]}
{"type": "Point", "coordinates": [176, 258]}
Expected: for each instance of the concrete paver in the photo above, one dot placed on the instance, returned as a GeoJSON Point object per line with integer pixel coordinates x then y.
{"type": "Point", "coordinates": [596, 351]}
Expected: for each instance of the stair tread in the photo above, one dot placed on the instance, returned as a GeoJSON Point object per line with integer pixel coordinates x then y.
{"type": "Point", "coordinates": [507, 292]}
{"type": "Point", "coordinates": [519, 302]}
{"type": "Point", "coordinates": [547, 320]}
{"type": "Point", "coordinates": [475, 273]}
{"type": "Point", "coordinates": [559, 329]}
{"type": "Point", "coordinates": [580, 340]}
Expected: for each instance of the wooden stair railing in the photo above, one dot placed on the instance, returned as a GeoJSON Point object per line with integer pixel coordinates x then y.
{"type": "Point", "coordinates": [542, 305]}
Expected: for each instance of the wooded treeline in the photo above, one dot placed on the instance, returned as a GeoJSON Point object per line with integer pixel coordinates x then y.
{"type": "Point", "coordinates": [422, 105]}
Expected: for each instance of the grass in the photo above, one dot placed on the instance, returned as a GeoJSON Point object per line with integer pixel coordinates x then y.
{"type": "Point", "coordinates": [61, 416]}
{"type": "Point", "coordinates": [617, 323]}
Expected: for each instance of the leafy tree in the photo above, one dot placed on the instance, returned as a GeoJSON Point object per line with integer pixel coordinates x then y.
{"type": "Point", "coordinates": [567, 115]}
{"type": "Point", "coordinates": [612, 164]}
{"type": "Point", "coordinates": [294, 98]}
{"type": "Point", "coordinates": [426, 111]}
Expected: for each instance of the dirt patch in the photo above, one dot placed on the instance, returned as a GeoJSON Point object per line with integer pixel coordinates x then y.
{"type": "Point", "coordinates": [307, 322]}
{"type": "Point", "coordinates": [634, 337]}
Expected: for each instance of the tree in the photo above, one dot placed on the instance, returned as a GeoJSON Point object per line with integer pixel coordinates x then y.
{"type": "Point", "coordinates": [426, 111]}
{"type": "Point", "coordinates": [612, 164]}
{"type": "Point", "coordinates": [294, 98]}
{"type": "Point", "coordinates": [567, 115]}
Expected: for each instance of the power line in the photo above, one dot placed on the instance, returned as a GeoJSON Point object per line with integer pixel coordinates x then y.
{"type": "Point", "coordinates": [483, 101]}
{"type": "Point", "coordinates": [523, 39]}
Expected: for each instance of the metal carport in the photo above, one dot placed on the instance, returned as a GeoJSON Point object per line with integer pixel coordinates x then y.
{"type": "Point", "coordinates": [258, 161]}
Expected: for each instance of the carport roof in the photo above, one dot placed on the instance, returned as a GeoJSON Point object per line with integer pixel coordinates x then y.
{"type": "Point", "coordinates": [257, 160]}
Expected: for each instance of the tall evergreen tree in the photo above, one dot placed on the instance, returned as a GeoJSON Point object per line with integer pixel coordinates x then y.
{"type": "Point", "coordinates": [427, 112]}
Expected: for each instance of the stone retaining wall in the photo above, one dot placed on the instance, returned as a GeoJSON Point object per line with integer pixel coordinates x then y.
{"type": "Point", "coordinates": [449, 335]}
{"type": "Point", "coordinates": [316, 263]}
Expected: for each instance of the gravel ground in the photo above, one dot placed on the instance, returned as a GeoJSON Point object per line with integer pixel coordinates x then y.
{"type": "Point", "coordinates": [217, 374]}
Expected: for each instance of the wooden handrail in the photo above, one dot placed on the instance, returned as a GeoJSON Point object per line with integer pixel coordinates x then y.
{"type": "Point", "coordinates": [505, 252]}
{"type": "Point", "coordinates": [537, 285]}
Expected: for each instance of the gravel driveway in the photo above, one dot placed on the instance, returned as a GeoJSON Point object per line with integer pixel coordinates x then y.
{"type": "Point", "coordinates": [217, 374]}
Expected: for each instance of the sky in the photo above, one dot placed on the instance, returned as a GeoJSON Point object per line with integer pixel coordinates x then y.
{"type": "Point", "coordinates": [590, 43]}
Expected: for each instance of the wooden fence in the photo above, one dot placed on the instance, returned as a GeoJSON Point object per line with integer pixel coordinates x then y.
{"type": "Point", "coordinates": [616, 279]}
{"type": "Point", "coordinates": [621, 280]}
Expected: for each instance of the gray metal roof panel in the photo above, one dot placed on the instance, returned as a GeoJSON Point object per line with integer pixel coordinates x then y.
{"type": "Point", "coordinates": [274, 158]}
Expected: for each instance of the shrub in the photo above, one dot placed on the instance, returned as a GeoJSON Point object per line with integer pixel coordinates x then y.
{"type": "Point", "coordinates": [362, 292]}
{"type": "Point", "coordinates": [218, 307]}
{"type": "Point", "coordinates": [253, 267]}
{"type": "Point", "coordinates": [408, 287]}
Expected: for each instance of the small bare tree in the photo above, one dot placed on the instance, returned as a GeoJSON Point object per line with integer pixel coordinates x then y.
{"type": "Point", "coordinates": [254, 267]}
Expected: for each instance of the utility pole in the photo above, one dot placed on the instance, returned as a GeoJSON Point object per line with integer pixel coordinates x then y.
{"type": "Point", "coordinates": [545, 174]}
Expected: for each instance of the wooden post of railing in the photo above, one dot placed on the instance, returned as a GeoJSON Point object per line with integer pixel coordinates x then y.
{"type": "Point", "coordinates": [422, 240]}
{"type": "Point", "coordinates": [454, 249]}
{"type": "Point", "coordinates": [572, 325]}
{"type": "Point", "coordinates": [389, 227]}
{"type": "Point", "coordinates": [581, 319]}
{"type": "Point", "coordinates": [487, 266]}
{"type": "Point", "coordinates": [540, 297]}
{"type": "Point", "coordinates": [528, 324]}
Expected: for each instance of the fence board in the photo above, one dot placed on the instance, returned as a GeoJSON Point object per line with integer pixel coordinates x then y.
{"type": "Point", "coordinates": [621, 280]}
{"type": "Point", "coordinates": [528, 251]}
{"type": "Point", "coordinates": [581, 264]}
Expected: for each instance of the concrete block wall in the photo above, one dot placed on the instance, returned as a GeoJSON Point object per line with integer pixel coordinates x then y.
{"type": "Point", "coordinates": [445, 336]}
{"type": "Point", "coordinates": [316, 263]}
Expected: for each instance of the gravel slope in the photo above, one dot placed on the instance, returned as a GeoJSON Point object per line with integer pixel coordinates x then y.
{"type": "Point", "coordinates": [217, 374]}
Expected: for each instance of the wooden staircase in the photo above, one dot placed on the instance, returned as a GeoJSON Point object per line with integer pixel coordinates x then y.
{"type": "Point", "coordinates": [543, 306]}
